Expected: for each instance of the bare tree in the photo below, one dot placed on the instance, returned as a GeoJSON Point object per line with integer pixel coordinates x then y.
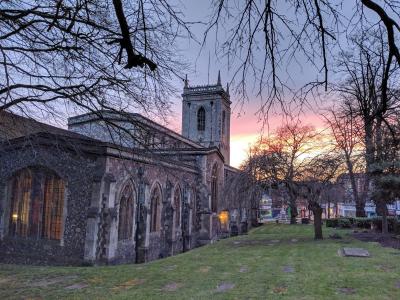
{"type": "Point", "coordinates": [242, 190]}
{"type": "Point", "coordinates": [369, 95]}
{"type": "Point", "coordinates": [317, 185]}
{"type": "Point", "coordinates": [88, 55]}
{"type": "Point", "coordinates": [386, 171]}
{"type": "Point", "coordinates": [265, 37]}
{"type": "Point", "coordinates": [347, 138]}
{"type": "Point", "coordinates": [282, 158]}
{"type": "Point", "coordinates": [299, 160]}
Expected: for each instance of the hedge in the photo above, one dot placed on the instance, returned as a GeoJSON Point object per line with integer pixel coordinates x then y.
{"type": "Point", "coordinates": [339, 222]}
{"type": "Point", "coordinates": [365, 223]}
{"type": "Point", "coordinates": [393, 224]}
{"type": "Point", "coordinates": [331, 222]}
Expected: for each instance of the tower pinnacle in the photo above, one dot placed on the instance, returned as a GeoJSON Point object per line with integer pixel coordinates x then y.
{"type": "Point", "coordinates": [186, 82]}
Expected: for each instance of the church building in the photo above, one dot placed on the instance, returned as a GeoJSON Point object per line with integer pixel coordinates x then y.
{"type": "Point", "coordinates": [117, 187]}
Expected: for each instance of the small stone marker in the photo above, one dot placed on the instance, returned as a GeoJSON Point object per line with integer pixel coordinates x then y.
{"type": "Point", "coordinates": [288, 269]}
{"type": "Point", "coordinates": [280, 289]}
{"type": "Point", "coordinates": [170, 268]}
{"type": "Point", "coordinates": [128, 284]}
{"type": "Point", "coordinates": [45, 282]}
{"type": "Point", "coordinates": [386, 268]}
{"type": "Point", "coordinates": [347, 291]}
{"type": "Point", "coordinates": [225, 286]}
{"type": "Point", "coordinates": [5, 279]}
{"type": "Point", "coordinates": [355, 252]}
{"type": "Point", "coordinates": [295, 240]}
{"type": "Point", "coordinates": [172, 287]}
{"type": "Point", "coordinates": [243, 269]}
{"type": "Point", "coordinates": [205, 269]}
{"type": "Point", "coordinates": [335, 236]}
{"type": "Point", "coordinates": [77, 286]}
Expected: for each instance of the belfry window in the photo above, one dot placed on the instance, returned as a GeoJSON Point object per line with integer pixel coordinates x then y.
{"type": "Point", "coordinates": [37, 203]}
{"type": "Point", "coordinates": [201, 119]}
{"type": "Point", "coordinates": [126, 205]}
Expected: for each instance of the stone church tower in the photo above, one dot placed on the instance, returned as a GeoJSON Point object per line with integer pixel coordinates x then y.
{"type": "Point", "coordinates": [206, 116]}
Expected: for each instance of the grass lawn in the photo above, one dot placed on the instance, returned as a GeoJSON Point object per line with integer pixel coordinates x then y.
{"type": "Point", "coordinates": [272, 262]}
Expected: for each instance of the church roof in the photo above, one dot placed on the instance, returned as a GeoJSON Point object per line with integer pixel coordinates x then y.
{"type": "Point", "coordinates": [130, 117]}
{"type": "Point", "coordinates": [15, 126]}
{"type": "Point", "coordinates": [18, 130]}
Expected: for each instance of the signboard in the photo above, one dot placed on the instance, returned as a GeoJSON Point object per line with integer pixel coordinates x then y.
{"type": "Point", "coordinates": [265, 214]}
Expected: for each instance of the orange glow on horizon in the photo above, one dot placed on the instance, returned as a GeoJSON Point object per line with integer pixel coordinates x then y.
{"type": "Point", "coordinates": [239, 147]}
{"type": "Point", "coordinates": [246, 130]}
{"type": "Point", "coordinates": [241, 143]}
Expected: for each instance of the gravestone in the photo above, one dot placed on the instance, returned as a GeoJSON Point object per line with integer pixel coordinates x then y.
{"type": "Point", "coordinates": [355, 252]}
{"type": "Point", "coordinates": [234, 229]}
{"type": "Point", "coordinates": [243, 269]}
{"type": "Point", "coordinates": [225, 286]}
{"type": "Point", "coordinates": [288, 269]}
{"type": "Point", "coordinates": [77, 286]}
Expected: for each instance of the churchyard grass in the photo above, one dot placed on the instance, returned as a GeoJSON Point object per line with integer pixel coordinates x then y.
{"type": "Point", "coordinates": [271, 262]}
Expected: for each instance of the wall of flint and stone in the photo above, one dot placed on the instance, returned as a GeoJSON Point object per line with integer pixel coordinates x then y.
{"type": "Point", "coordinates": [84, 176]}
{"type": "Point", "coordinates": [237, 202]}
{"type": "Point", "coordinates": [162, 243]}
{"type": "Point", "coordinates": [79, 172]}
{"type": "Point", "coordinates": [94, 183]}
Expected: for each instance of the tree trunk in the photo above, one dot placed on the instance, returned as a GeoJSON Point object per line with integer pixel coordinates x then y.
{"type": "Point", "coordinates": [385, 229]}
{"type": "Point", "coordinates": [293, 212]}
{"type": "Point", "coordinates": [384, 212]}
{"type": "Point", "coordinates": [360, 209]}
{"type": "Point", "coordinates": [359, 201]}
{"type": "Point", "coordinates": [317, 211]}
{"type": "Point", "coordinates": [292, 204]}
{"type": "Point", "coordinates": [369, 160]}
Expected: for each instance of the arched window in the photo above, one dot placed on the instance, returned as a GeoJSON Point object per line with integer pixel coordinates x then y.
{"type": "Point", "coordinates": [223, 122]}
{"type": "Point", "coordinates": [214, 189]}
{"type": "Point", "coordinates": [177, 207]}
{"type": "Point", "coordinates": [126, 205]}
{"type": "Point", "coordinates": [37, 202]}
{"type": "Point", "coordinates": [201, 119]}
{"type": "Point", "coordinates": [155, 207]}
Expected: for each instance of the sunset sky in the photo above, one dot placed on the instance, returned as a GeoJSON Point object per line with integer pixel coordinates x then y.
{"type": "Point", "coordinates": [245, 124]}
